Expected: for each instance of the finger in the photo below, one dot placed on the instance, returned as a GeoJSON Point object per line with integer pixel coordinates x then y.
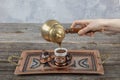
{"type": "Point", "coordinates": [88, 34]}
{"type": "Point", "coordinates": [80, 22]}
{"type": "Point", "coordinates": [102, 30]}
{"type": "Point", "coordinates": [74, 24]}
{"type": "Point", "coordinates": [84, 31]}
{"type": "Point", "coordinates": [92, 34]}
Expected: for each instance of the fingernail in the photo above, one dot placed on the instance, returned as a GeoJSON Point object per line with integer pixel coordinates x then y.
{"type": "Point", "coordinates": [92, 35]}
{"type": "Point", "coordinates": [80, 34]}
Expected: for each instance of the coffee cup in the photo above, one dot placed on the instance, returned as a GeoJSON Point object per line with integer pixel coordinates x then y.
{"type": "Point", "coordinates": [60, 56]}
{"type": "Point", "coordinates": [60, 52]}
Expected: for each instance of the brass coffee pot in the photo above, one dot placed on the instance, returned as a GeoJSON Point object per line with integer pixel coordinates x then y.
{"type": "Point", "coordinates": [53, 31]}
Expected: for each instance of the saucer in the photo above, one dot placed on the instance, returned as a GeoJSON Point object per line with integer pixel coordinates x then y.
{"type": "Point", "coordinates": [67, 64]}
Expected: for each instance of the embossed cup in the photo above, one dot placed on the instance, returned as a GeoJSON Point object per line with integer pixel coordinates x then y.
{"type": "Point", "coordinates": [60, 56]}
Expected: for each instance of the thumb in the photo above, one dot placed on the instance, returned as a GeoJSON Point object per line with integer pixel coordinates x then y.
{"type": "Point", "coordinates": [84, 30]}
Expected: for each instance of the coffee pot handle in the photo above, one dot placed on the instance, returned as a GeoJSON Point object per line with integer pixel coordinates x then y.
{"type": "Point", "coordinates": [75, 30]}
{"type": "Point", "coordinates": [72, 30]}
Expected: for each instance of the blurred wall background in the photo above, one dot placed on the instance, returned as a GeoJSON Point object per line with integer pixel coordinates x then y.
{"type": "Point", "coordinates": [66, 11]}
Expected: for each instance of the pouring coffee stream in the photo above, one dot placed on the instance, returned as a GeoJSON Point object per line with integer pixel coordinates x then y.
{"type": "Point", "coordinates": [53, 31]}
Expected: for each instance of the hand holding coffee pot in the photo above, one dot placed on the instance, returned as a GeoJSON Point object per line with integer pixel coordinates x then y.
{"type": "Point", "coordinates": [53, 31]}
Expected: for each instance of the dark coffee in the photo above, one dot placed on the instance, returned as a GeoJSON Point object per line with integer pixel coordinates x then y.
{"type": "Point", "coordinates": [59, 43]}
{"type": "Point", "coordinates": [61, 51]}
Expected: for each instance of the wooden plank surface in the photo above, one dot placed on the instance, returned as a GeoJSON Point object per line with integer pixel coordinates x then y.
{"type": "Point", "coordinates": [16, 37]}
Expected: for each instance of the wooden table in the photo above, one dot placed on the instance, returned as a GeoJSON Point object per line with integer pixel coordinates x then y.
{"type": "Point", "coordinates": [16, 37]}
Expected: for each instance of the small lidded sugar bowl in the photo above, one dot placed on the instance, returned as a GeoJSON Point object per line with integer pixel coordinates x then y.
{"type": "Point", "coordinates": [45, 56]}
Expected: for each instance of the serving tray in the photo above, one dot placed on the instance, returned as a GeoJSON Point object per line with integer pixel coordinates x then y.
{"type": "Point", "coordinates": [84, 62]}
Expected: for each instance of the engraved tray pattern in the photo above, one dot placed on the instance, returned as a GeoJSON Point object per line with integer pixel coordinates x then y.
{"type": "Point", "coordinates": [84, 62]}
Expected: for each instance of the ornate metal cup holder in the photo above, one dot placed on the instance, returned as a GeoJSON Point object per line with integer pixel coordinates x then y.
{"type": "Point", "coordinates": [68, 63]}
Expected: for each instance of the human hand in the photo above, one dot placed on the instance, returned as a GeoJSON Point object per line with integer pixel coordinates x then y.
{"type": "Point", "coordinates": [89, 27]}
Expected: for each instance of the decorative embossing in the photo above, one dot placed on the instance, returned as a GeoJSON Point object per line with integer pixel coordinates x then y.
{"type": "Point", "coordinates": [35, 63]}
{"type": "Point", "coordinates": [84, 63]}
